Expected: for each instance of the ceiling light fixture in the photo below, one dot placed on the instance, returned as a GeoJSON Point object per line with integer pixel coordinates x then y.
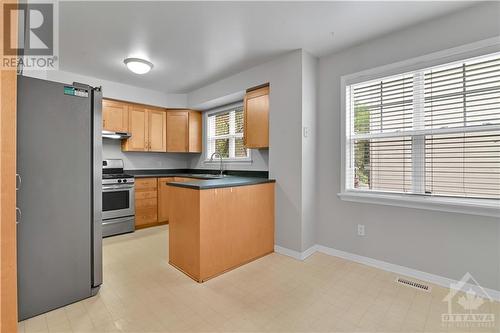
{"type": "Point", "coordinates": [137, 65]}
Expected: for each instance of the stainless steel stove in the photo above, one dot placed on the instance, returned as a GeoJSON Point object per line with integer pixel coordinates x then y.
{"type": "Point", "coordinates": [118, 211]}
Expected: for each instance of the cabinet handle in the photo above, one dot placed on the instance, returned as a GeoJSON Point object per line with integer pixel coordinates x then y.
{"type": "Point", "coordinates": [18, 177]}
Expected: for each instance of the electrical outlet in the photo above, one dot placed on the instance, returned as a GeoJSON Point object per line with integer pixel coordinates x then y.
{"type": "Point", "coordinates": [361, 229]}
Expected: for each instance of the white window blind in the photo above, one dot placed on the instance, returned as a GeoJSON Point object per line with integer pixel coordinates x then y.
{"type": "Point", "coordinates": [225, 134]}
{"type": "Point", "coordinates": [434, 131]}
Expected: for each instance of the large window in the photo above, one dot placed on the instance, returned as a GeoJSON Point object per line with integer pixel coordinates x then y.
{"type": "Point", "coordinates": [225, 134]}
{"type": "Point", "coordinates": [431, 132]}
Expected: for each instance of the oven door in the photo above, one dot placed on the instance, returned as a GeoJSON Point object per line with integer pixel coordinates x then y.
{"type": "Point", "coordinates": [117, 201]}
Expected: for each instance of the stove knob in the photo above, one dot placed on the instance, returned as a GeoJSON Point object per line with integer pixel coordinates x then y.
{"type": "Point", "coordinates": [119, 180]}
{"type": "Point", "coordinates": [124, 180]}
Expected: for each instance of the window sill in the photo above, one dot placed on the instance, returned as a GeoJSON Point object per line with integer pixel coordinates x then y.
{"type": "Point", "coordinates": [228, 161]}
{"type": "Point", "coordinates": [454, 205]}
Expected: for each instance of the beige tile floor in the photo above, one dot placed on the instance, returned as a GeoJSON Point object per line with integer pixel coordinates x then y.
{"type": "Point", "coordinates": [143, 293]}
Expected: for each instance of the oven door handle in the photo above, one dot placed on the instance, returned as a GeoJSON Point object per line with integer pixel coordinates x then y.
{"type": "Point", "coordinates": [112, 188]}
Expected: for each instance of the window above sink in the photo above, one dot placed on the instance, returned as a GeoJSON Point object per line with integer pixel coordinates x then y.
{"type": "Point", "coordinates": [224, 134]}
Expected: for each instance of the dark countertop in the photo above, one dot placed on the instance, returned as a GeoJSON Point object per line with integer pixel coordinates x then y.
{"type": "Point", "coordinates": [227, 181]}
{"type": "Point", "coordinates": [206, 179]}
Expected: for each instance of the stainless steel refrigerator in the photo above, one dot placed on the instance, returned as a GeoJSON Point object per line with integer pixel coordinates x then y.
{"type": "Point", "coordinates": [59, 161]}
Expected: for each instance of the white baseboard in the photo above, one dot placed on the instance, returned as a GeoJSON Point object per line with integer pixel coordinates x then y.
{"type": "Point", "coordinates": [287, 252]}
{"type": "Point", "coordinates": [402, 270]}
{"type": "Point", "coordinates": [295, 254]}
{"type": "Point", "coordinates": [310, 251]}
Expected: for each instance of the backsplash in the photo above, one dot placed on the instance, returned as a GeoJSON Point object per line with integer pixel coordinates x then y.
{"type": "Point", "coordinates": [139, 160]}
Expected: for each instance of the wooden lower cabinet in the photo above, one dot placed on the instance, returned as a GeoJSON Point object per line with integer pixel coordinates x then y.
{"type": "Point", "coordinates": [146, 202]}
{"type": "Point", "coordinates": [182, 179]}
{"type": "Point", "coordinates": [151, 201]}
{"type": "Point", "coordinates": [212, 231]}
{"type": "Point", "coordinates": [163, 198]}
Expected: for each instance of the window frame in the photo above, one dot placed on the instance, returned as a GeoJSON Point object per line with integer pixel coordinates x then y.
{"type": "Point", "coordinates": [214, 111]}
{"type": "Point", "coordinates": [484, 207]}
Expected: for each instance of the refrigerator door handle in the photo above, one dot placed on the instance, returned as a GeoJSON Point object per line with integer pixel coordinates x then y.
{"type": "Point", "coordinates": [18, 213]}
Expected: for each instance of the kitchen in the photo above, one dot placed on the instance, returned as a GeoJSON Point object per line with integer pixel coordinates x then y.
{"type": "Point", "coordinates": [222, 166]}
{"type": "Point", "coordinates": [139, 198]}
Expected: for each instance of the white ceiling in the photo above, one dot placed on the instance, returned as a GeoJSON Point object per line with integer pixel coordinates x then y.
{"type": "Point", "coordinates": [194, 43]}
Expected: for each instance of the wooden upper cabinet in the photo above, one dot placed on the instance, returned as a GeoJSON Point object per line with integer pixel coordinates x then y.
{"type": "Point", "coordinates": [148, 129]}
{"type": "Point", "coordinates": [138, 126]}
{"type": "Point", "coordinates": [177, 131]}
{"type": "Point", "coordinates": [157, 130]}
{"type": "Point", "coordinates": [152, 128]}
{"type": "Point", "coordinates": [256, 110]}
{"type": "Point", "coordinates": [114, 116]}
{"type": "Point", "coordinates": [194, 132]}
{"type": "Point", "coordinates": [183, 131]}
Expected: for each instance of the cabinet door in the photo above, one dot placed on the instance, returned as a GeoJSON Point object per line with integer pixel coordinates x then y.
{"type": "Point", "coordinates": [157, 130]}
{"type": "Point", "coordinates": [177, 131]}
{"type": "Point", "coordinates": [195, 132]}
{"type": "Point", "coordinates": [114, 116]}
{"type": "Point", "coordinates": [256, 106]}
{"type": "Point", "coordinates": [163, 190]}
{"type": "Point", "coordinates": [138, 127]}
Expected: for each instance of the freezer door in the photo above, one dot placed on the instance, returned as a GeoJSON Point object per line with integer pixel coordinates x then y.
{"type": "Point", "coordinates": [55, 162]}
{"type": "Point", "coordinates": [97, 191]}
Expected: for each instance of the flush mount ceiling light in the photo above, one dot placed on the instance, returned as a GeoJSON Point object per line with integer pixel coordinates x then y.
{"type": "Point", "coordinates": [137, 65]}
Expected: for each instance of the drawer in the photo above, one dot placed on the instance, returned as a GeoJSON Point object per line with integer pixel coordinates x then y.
{"type": "Point", "coordinates": [145, 183]}
{"type": "Point", "coordinates": [146, 195]}
{"type": "Point", "coordinates": [146, 217]}
{"type": "Point", "coordinates": [145, 203]}
{"type": "Point", "coordinates": [165, 180]}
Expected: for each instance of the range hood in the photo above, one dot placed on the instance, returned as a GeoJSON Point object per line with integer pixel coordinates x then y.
{"type": "Point", "coordinates": [115, 135]}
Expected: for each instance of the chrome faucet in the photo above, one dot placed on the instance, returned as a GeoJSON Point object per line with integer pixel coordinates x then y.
{"type": "Point", "coordinates": [220, 157]}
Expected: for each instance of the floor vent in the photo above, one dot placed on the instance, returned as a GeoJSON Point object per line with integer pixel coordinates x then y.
{"type": "Point", "coordinates": [413, 284]}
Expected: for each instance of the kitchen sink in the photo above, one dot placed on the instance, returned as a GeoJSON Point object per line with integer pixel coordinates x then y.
{"type": "Point", "coordinates": [208, 176]}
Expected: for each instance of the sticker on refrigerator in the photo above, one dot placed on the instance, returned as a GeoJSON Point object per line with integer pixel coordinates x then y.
{"type": "Point", "coordinates": [72, 91]}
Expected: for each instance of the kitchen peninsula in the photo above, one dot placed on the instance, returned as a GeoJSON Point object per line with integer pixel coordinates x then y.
{"type": "Point", "coordinates": [219, 224]}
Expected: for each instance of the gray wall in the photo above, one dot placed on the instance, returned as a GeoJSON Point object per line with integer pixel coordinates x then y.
{"type": "Point", "coordinates": [285, 77]}
{"type": "Point", "coordinates": [309, 149]}
{"type": "Point", "coordinates": [445, 244]}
